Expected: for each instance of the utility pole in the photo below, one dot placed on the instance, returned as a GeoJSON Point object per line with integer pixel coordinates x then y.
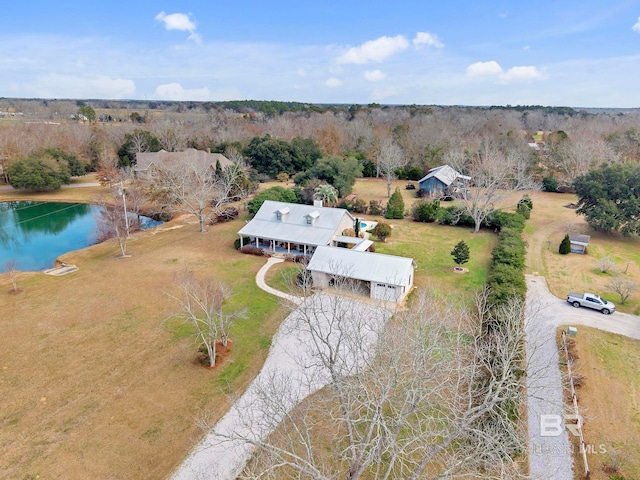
{"type": "Point", "coordinates": [124, 203]}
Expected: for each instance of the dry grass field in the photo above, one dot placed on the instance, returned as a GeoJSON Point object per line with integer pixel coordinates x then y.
{"type": "Point", "coordinates": [608, 398]}
{"type": "Point", "coordinates": [95, 383]}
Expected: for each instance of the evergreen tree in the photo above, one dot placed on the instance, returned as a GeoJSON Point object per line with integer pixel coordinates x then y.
{"type": "Point", "coordinates": [395, 206]}
{"type": "Point", "coordinates": [460, 253]}
{"type": "Point", "coordinates": [565, 245]}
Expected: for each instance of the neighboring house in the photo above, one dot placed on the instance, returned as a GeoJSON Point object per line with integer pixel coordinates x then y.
{"type": "Point", "coordinates": [442, 179]}
{"type": "Point", "coordinates": [294, 228]}
{"type": "Point", "coordinates": [147, 161]}
{"type": "Point", "coordinates": [579, 242]}
{"type": "Point", "coordinates": [383, 277]}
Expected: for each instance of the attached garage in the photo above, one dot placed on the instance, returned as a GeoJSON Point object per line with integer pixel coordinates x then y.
{"type": "Point", "coordinates": [384, 277]}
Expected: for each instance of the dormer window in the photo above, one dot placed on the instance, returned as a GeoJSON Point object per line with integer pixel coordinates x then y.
{"type": "Point", "coordinates": [311, 217]}
{"type": "Point", "coordinates": [280, 214]}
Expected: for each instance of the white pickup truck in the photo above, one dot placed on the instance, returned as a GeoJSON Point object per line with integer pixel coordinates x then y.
{"type": "Point", "coordinates": [591, 300]}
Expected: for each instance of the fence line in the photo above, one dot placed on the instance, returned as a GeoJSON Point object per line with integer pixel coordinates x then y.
{"type": "Point", "coordinates": [574, 399]}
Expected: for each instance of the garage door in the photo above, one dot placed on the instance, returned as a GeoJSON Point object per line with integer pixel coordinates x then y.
{"type": "Point", "coordinates": [385, 292]}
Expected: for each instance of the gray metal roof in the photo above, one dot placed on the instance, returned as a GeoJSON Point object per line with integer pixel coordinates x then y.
{"type": "Point", "coordinates": [579, 239]}
{"type": "Point", "coordinates": [445, 174]}
{"type": "Point", "coordinates": [294, 227]}
{"type": "Point", "coordinates": [366, 266]}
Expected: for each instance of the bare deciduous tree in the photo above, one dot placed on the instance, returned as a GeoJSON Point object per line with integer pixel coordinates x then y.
{"type": "Point", "coordinates": [390, 158]}
{"type": "Point", "coordinates": [606, 264]}
{"type": "Point", "coordinates": [623, 286]}
{"type": "Point", "coordinates": [202, 305]}
{"type": "Point", "coordinates": [434, 394]}
{"type": "Point", "coordinates": [577, 157]}
{"type": "Point", "coordinates": [171, 135]}
{"type": "Point", "coordinates": [119, 218]}
{"type": "Point", "coordinates": [494, 175]}
{"type": "Point", "coordinates": [195, 188]}
{"type": "Point", "coordinates": [10, 268]}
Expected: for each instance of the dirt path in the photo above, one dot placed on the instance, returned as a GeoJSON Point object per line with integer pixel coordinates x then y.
{"type": "Point", "coordinates": [538, 242]}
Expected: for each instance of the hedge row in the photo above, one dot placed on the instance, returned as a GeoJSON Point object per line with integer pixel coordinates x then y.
{"type": "Point", "coordinates": [506, 274]}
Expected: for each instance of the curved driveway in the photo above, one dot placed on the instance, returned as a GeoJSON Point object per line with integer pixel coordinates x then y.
{"type": "Point", "coordinates": [549, 450]}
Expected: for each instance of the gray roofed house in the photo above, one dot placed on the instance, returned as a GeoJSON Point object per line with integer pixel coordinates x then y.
{"type": "Point", "coordinates": [384, 277]}
{"type": "Point", "coordinates": [440, 179]}
{"type": "Point", "coordinates": [294, 228]}
{"type": "Point", "coordinates": [145, 161]}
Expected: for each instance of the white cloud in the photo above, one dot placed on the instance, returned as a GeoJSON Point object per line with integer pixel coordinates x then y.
{"type": "Point", "coordinates": [374, 75]}
{"type": "Point", "coordinates": [522, 74]}
{"type": "Point", "coordinates": [514, 74]}
{"type": "Point", "coordinates": [484, 69]}
{"type": "Point", "coordinates": [636, 26]}
{"type": "Point", "coordinates": [428, 39]}
{"type": "Point", "coordinates": [175, 91]}
{"type": "Point", "coordinates": [333, 82]}
{"type": "Point", "coordinates": [374, 50]}
{"type": "Point", "coordinates": [181, 22]}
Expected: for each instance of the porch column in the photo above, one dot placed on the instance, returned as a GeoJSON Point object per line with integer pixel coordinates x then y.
{"type": "Point", "coordinates": [288, 248]}
{"type": "Point", "coordinates": [305, 250]}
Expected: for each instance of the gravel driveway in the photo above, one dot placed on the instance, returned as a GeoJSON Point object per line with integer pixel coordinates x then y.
{"type": "Point", "coordinates": [549, 448]}
{"type": "Point", "coordinates": [293, 372]}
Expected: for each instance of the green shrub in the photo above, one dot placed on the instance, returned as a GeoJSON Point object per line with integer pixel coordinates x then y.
{"type": "Point", "coordinates": [278, 194]}
{"type": "Point", "coordinates": [424, 211]}
{"type": "Point", "coordinates": [500, 219]}
{"type": "Point", "coordinates": [524, 210]}
{"type": "Point", "coordinates": [505, 282]}
{"type": "Point", "coordinates": [236, 244]}
{"type": "Point", "coordinates": [252, 251]}
{"type": "Point", "coordinates": [395, 206]}
{"type": "Point", "coordinates": [455, 215]}
{"type": "Point", "coordinates": [526, 200]}
{"type": "Point", "coordinates": [381, 231]}
{"type": "Point", "coordinates": [375, 207]}
{"type": "Point", "coordinates": [549, 184]}
{"type": "Point", "coordinates": [565, 245]}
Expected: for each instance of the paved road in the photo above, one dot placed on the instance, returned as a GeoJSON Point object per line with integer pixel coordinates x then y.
{"type": "Point", "coordinates": [550, 455]}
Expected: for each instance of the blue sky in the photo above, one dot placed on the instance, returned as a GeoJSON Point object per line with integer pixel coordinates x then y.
{"type": "Point", "coordinates": [576, 53]}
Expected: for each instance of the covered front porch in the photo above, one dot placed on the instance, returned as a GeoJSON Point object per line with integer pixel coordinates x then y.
{"type": "Point", "coordinates": [278, 247]}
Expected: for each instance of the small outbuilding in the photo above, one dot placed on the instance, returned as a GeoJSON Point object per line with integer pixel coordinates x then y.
{"type": "Point", "coordinates": [442, 179]}
{"type": "Point", "coordinates": [579, 242]}
{"type": "Point", "coordinates": [383, 277]}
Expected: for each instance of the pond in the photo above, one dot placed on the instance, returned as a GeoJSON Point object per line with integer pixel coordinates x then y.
{"type": "Point", "coordinates": [34, 234]}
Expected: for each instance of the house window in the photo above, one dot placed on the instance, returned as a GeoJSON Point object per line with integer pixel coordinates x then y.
{"type": "Point", "coordinates": [309, 220]}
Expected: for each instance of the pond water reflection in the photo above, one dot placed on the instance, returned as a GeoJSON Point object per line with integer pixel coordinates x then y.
{"type": "Point", "coordinates": [34, 234]}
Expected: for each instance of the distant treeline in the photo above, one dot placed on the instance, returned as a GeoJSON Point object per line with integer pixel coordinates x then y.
{"type": "Point", "coordinates": [268, 107]}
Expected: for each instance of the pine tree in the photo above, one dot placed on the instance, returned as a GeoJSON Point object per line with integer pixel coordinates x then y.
{"type": "Point", "coordinates": [460, 253]}
{"type": "Point", "coordinates": [565, 245]}
{"type": "Point", "coordinates": [395, 206]}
